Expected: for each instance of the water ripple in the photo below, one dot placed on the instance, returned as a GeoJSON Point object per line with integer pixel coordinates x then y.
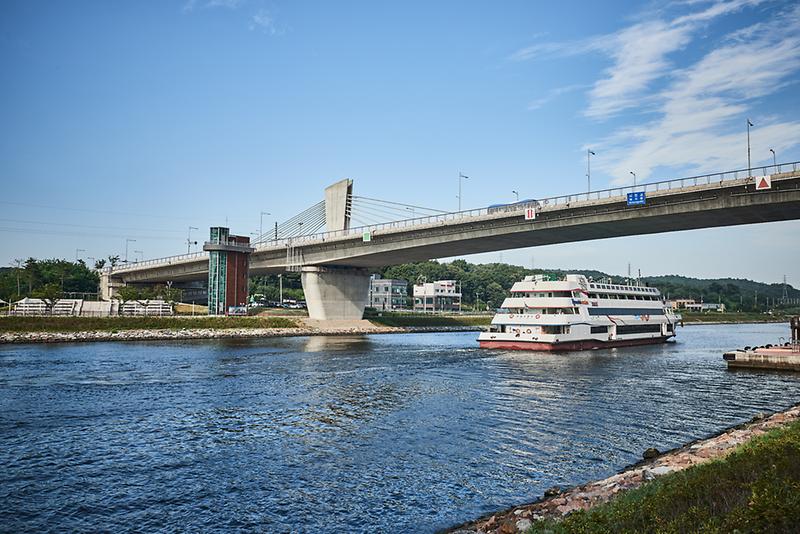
{"type": "Point", "coordinates": [390, 433]}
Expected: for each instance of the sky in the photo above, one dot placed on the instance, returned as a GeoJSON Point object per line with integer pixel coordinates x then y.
{"type": "Point", "coordinates": [129, 122]}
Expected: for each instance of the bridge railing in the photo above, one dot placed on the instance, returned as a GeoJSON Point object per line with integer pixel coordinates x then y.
{"type": "Point", "coordinates": [545, 203]}
{"type": "Point", "coordinates": [130, 266]}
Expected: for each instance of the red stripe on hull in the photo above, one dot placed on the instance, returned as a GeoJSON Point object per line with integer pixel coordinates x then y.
{"type": "Point", "coordinates": [587, 344]}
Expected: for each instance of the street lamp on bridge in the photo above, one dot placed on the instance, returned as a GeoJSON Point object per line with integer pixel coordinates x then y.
{"type": "Point", "coordinates": [189, 241]}
{"type": "Point", "coordinates": [634, 178]}
{"type": "Point", "coordinates": [774, 160]}
{"type": "Point", "coordinates": [127, 241]}
{"type": "Point", "coordinates": [460, 176]}
{"type": "Point", "coordinates": [516, 193]}
{"type": "Point", "coordinates": [749, 166]}
{"type": "Point", "coordinates": [589, 153]}
{"type": "Point", "coordinates": [77, 251]}
{"type": "Point", "coordinates": [261, 224]}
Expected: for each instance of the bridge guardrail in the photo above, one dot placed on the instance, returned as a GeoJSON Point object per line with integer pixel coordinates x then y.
{"type": "Point", "coordinates": [602, 194]}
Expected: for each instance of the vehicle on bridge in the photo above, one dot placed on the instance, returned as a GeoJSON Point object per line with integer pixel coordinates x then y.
{"type": "Point", "coordinates": [575, 314]}
{"type": "Point", "coordinates": [514, 206]}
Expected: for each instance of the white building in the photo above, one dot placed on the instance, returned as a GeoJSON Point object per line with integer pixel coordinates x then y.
{"type": "Point", "coordinates": [441, 295]}
{"type": "Point", "coordinates": [706, 307]}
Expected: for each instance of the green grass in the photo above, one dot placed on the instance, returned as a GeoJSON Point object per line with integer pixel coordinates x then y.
{"type": "Point", "coordinates": [755, 489]}
{"type": "Point", "coordinates": [430, 320]}
{"type": "Point", "coordinates": [86, 324]}
{"type": "Point", "coordinates": [740, 317]}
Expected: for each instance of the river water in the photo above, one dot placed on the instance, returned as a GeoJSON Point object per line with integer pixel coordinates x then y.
{"type": "Point", "coordinates": [381, 433]}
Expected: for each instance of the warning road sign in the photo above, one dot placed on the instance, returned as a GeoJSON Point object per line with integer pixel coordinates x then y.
{"type": "Point", "coordinates": [530, 214]}
{"type": "Point", "coordinates": [763, 182]}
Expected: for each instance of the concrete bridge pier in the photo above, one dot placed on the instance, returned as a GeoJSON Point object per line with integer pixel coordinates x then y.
{"type": "Point", "coordinates": [109, 285]}
{"type": "Point", "coordinates": [335, 293]}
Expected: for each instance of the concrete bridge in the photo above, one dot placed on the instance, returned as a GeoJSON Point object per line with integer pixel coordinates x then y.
{"type": "Point", "coordinates": [335, 264]}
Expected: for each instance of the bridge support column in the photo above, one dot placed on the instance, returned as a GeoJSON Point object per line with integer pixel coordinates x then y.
{"type": "Point", "coordinates": [335, 293]}
{"type": "Point", "coordinates": [109, 285]}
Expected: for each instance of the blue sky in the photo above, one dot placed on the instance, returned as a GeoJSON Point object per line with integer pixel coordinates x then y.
{"type": "Point", "coordinates": [139, 119]}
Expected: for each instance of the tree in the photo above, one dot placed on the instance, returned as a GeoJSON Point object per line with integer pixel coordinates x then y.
{"type": "Point", "coordinates": [99, 264]}
{"type": "Point", "coordinates": [50, 294]}
{"type": "Point", "coordinates": [113, 260]}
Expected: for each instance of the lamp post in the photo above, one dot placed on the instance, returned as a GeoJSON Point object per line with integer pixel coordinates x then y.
{"type": "Point", "coordinates": [141, 255]}
{"type": "Point", "coordinates": [749, 124]}
{"type": "Point", "coordinates": [261, 223]}
{"type": "Point", "coordinates": [77, 251]}
{"type": "Point", "coordinates": [413, 213]}
{"type": "Point", "coordinates": [127, 241]}
{"type": "Point", "coordinates": [189, 240]}
{"type": "Point", "coordinates": [516, 193]}
{"type": "Point", "coordinates": [589, 153]}
{"type": "Point", "coordinates": [634, 178]}
{"type": "Point", "coordinates": [460, 176]}
{"type": "Point", "coordinates": [774, 160]}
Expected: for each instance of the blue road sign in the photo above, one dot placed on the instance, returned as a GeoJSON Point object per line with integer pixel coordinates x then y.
{"type": "Point", "coordinates": [636, 199]}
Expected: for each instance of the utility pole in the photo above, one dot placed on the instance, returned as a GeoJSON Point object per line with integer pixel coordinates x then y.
{"type": "Point", "coordinates": [785, 294]}
{"type": "Point", "coordinates": [19, 265]}
{"type": "Point", "coordinates": [589, 170]}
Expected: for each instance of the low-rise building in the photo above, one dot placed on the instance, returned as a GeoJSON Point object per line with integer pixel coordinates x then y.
{"type": "Point", "coordinates": [679, 304]}
{"type": "Point", "coordinates": [387, 293]}
{"type": "Point", "coordinates": [441, 295]}
{"type": "Point", "coordinates": [705, 307]}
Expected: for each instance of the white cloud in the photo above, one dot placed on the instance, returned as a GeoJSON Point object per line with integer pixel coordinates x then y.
{"type": "Point", "coordinates": [639, 56]}
{"type": "Point", "coordinates": [702, 112]}
{"type": "Point", "coordinates": [210, 4]}
{"type": "Point", "coordinates": [264, 21]}
{"type": "Point", "coordinates": [552, 95]}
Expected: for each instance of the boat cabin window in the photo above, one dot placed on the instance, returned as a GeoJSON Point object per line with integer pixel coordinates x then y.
{"type": "Point", "coordinates": [555, 329]}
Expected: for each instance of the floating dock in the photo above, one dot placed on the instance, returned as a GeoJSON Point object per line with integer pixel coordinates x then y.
{"type": "Point", "coordinates": [784, 356]}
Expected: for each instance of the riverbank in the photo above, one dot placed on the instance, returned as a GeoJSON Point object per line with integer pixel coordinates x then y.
{"type": "Point", "coordinates": [177, 328]}
{"type": "Point", "coordinates": [732, 318]}
{"type": "Point", "coordinates": [751, 485]}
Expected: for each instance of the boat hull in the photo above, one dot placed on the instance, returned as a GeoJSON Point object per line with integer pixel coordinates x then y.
{"type": "Point", "coordinates": [586, 344]}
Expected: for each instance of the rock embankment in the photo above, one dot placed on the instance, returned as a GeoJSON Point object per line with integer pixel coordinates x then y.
{"type": "Point", "coordinates": [216, 333]}
{"type": "Point", "coordinates": [558, 504]}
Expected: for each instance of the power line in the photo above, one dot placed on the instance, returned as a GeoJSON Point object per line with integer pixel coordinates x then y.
{"type": "Point", "coordinates": [90, 226]}
{"type": "Point", "coordinates": [88, 210]}
{"type": "Point", "coordinates": [78, 234]}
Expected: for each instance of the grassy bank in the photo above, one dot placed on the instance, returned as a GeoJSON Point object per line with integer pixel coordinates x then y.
{"type": "Point", "coordinates": [735, 317]}
{"type": "Point", "coordinates": [108, 324]}
{"type": "Point", "coordinates": [430, 320]}
{"type": "Point", "coordinates": [754, 489]}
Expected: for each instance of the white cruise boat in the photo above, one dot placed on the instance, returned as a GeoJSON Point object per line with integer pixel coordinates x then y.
{"type": "Point", "coordinates": [575, 314]}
